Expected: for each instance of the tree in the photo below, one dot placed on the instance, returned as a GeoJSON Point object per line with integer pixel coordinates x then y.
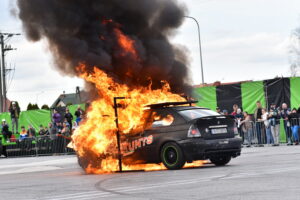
{"type": "Point", "coordinates": [29, 107]}
{"type": "Point", "coordinates": [45, 107]}
{"type": "Point", "coordinates": [32, 106]}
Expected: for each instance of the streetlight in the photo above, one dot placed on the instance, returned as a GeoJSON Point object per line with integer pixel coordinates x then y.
{"type": "Point", "coordinates": [200, 49]}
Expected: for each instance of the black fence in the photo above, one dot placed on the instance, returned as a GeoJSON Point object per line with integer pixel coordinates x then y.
{"type": "Point", "coordinates": [37, 146]}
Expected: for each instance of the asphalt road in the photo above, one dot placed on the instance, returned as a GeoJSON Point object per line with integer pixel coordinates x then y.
{"type": "Point", "coordinates": [260, 173]}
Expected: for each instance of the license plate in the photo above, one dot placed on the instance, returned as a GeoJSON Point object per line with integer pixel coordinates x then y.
{"type": "Point", "coordinates": [219, 131]}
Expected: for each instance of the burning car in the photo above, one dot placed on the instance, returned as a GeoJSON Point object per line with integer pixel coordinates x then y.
{"type": "Point", "coordinates": [175, 133]}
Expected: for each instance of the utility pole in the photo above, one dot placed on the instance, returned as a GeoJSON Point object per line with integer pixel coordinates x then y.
{"type": "Point", "coordinates": [4, 48]}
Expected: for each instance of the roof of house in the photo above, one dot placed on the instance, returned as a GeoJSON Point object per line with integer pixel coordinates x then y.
{"type": "Point", "coordinates": [73, 99]}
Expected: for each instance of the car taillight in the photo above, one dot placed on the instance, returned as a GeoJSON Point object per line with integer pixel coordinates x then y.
{"type": "Point", "coordinates": [193, 132]}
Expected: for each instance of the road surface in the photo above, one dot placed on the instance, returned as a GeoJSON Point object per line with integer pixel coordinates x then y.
{"type": "Point", "coordinates": [260, 173]}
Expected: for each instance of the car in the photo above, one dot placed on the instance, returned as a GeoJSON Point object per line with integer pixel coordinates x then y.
{"type": "Point", "coordinates": [178, 132]}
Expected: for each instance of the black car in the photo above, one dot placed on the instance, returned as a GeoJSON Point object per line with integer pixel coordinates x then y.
{"type": "Point", "coordinates": [176, 133]}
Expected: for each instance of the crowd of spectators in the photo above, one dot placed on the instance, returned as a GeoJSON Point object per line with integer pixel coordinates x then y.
{"type": "Point", "coordinates": [61, 125]}
{"type": "Point", "coordinates": [263, 127]}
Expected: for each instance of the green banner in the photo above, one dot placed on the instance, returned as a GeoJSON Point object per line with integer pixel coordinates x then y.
{"type": "Point", "coordinates": [295, 92]}
{"type": "Point", "coordinates": [251, 93]}
{"type": "Point", "coordinates": [207, 97]}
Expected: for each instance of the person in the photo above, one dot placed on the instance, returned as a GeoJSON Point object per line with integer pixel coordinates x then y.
{"type": "Point", "coordinates": [225, 112]}
{"type": "Point", "coordinates": [31, 131]}
{"type": "Point", "coordinates": [56, 118]}
{"type": "Point", "coordinates": [69, 118]}
{"type": "Point", "coordinates": [235, 108]}
{"type": "Point", "coordinates": [218, 110]}
{"type": "Point", "coordinates": [284, 113]}
{"type": "Point", "coordinates": [258, 123]}
{"type": "Point", "coordinates": [238, 118]}
{"type": "Point", "coordinates": [79, 114]}
{"type": "Point", "coordinates": [65, 130]}
{"type": "Point", "coordinates": [266, 122]}
{"type": "Point", "coordinates": [23, 133]}
{"type": "Point", "coordinates": [5, 131]}
{"type": "Point", "coordinates": [247, 126]}
{"type": "Point", "coordinates": [42, 131]}
{"type": "Point", "coordinates": [74, 127]}
{"type": "Point", "coordinates": [52, 131]}
{"type": "Point", "coordinates": [294, 121]}
{"type": "Point", "coordinates": [274, 118]}
{"type": "Point", "coordinates": [14, 111]}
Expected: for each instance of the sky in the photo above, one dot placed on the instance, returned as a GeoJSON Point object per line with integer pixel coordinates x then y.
{"type": "Point", "coordinates": [240, 39]}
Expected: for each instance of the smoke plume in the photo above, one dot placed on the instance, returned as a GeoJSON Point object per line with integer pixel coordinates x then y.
{"type": "Point", "coordinates": [82, 31]}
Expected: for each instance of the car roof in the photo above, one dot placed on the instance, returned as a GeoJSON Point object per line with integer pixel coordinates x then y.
{"type": "Point", "coordinates": [181, 108]}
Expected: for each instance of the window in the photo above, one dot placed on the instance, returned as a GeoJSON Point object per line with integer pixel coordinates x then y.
{"type": "Point", "coordinates": [197, 113]}
{"type": "Point", "coordinates": [159, 119]}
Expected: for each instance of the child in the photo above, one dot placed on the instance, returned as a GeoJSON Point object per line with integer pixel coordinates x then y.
{"type": "Point", "coordinates": [23, 133]}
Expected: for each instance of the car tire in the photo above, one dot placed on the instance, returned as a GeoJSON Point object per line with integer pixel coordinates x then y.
{"type": "Point", "coordinates": [220, 160]}
{"type": "Point", "coordinates": [172, 156]}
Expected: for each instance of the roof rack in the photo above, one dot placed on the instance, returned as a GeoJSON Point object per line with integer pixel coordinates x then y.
{"type": "Point", "coordinates": [168, 104]}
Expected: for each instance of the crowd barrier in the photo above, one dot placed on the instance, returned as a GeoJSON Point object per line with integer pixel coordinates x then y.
{"type": "Point", "coordinates": [37, 146]}
{"type": "Point", "coordinates": [274, 131]}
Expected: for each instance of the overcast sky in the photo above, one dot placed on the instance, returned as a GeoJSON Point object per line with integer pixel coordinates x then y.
{"type": "Point", "coordinates": [241, 40]}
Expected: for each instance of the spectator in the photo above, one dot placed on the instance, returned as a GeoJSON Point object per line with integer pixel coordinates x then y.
{"type": "Point", "coordinates": [235, 108]}
{"type": "Point", "coordinates": [46, 131]}
{"type": "Point", "coordinates": [65, 130]}
{"type": "Point", "coordinates": [225, 112]}
{"type": "Point", "coordinates": [238, 118]}
{"type": "Point", "coordinates": [247, 128]}
{"type": "Point", "coordinates": [79, 114]}
{"type": "Point", "coordinates": [5, 131]}
{"type": "Point", "coordinates": [52, 131]}
{"type": "Point", "coordinates": [285, 111]}
{"type": "Point", "coordinates": [31, 131]}
{"type": "Point", "coordinates": [23, 133]}
{"type": "Point", "coordinates": [74, 127]}
{"type": "Point", "coordinates": [56, 118]}
{"type": "Point", "coordinates": [274, 118]}
{"type": "Point", "coordinates": [258, 123]}
{"type": "Point", "coordinates": [218, 110]}
{"type": "Point", "coordinates": [69, 118]}
{"type": "Point", "coordinates": [14, 110]}
{"type": "Point", "coordinates": [265, 120]}
{"type": "Point", "coordinates": [59, 127]}
{"type": "Point", "coordinates": [42, 131]}
{"type": "Point", "coordinates": [294, 121]}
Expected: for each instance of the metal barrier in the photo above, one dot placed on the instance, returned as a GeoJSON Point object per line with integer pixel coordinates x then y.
{"type": "Point", "coordinates": [268, 132]}
{"type": "Point", "coordinates": [37, 146]}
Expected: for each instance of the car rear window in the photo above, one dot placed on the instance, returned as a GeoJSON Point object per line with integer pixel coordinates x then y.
{"type": "Point", "coordinates": [197, 113]}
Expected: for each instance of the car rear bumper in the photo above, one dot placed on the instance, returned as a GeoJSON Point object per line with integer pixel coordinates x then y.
{"type": "Point", "coordinates": [199, 148]}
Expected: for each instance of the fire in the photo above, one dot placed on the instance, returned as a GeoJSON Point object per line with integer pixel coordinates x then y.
{"type": "Point", "coordinates": [95, 140]}
{"type": "Point", "coordinates": [126, 43]}
{"type": "Point", "coordinates": [97, 134]}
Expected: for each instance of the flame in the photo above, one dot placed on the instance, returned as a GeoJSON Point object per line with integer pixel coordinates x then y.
{"type": "Point", "coordinates": [97, 134]}
{"type": "Point", "coordinates": [95, 140]}
{"type": "Point", "coordinates": [127, 44]}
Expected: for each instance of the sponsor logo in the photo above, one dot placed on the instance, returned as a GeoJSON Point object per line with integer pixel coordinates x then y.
{"type": "Point", "coordinates": [131, 146]}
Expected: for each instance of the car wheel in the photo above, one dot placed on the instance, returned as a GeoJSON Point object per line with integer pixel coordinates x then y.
{"type": "Point", "coordinates": [221, 160]}
{"type": "Point", "coordinates": [172, 156]}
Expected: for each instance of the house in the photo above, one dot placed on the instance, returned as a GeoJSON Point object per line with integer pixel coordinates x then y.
{"type": "Point", "coordinates": [80, 97]}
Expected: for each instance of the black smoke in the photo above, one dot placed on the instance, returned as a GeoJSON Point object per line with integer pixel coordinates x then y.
{"type": "Point", "coordinates": [77, 32]}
